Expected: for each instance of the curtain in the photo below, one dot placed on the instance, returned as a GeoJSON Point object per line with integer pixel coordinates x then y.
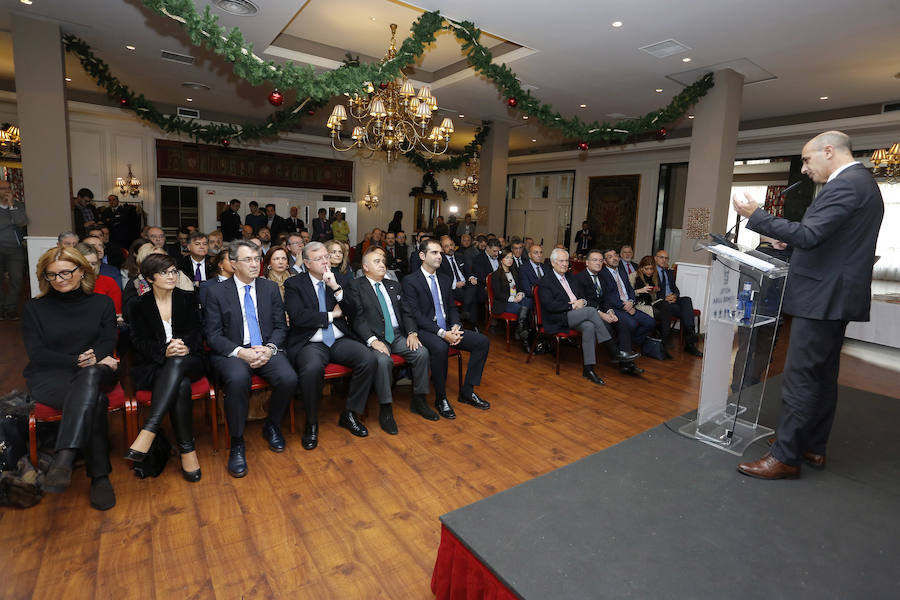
{"type": "Point", "coordinates": [459, 575]}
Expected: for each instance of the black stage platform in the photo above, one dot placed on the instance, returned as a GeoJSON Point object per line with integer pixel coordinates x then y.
{"type": "Point", "coordinates": [663, 516]}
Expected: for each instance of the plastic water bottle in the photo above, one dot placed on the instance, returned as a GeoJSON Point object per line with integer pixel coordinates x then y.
{"type": "Point", "coordinates": [745, 301]}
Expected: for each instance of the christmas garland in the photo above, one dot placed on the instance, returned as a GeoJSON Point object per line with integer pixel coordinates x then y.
{"type": "Point", "coordinates": [204, 30]}
{"type": "Point", "coordinates": [217, 133]}
{"type": "Point", "coordinates": [456, 161]}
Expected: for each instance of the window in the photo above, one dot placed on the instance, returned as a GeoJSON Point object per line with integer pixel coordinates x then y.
{"type": "Point", "coordinates": [888, 247]}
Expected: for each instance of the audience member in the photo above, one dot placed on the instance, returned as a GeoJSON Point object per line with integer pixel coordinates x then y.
{"type": "Point", "coordinates": [626, 254]}
{"type": "Point", "coordinates": [338, 263]}
{"type": "Point", "coordinates": [222, 266]}
{"type": "Point", "coordinates": [275, 267]}
{"type": "Point", "coordinates": [215, 242]}
{"type": "Point", "coordinates": [12, 254]}
{"type": "Point", "coordinates": [646, 288]}
{"type": "Point", "coordinates": [166, 336]}
{"type": "Point", "coordinates": [294, 223]}
{"type": "Point", "coordinates": [396, 224]}
{"type": "Point", "coordinates": [440, 228]}
{"type": "Point", "coordinates": [634, 325]}
{"type": "Point", "coordinates": [464, 285]}
{"type": "Point", "coordinates": [196, 266]}
{"type": "Point", "coordinates": [275, 222]}
{"type": "Point", "coordinates": [255, 218]}
{"type": "Point", "coordinates": [70, 336]}
{"type": "Point", "coordinates": [518, 252]}
{"type": "Point", "coordinates": [265, 239]}
{"type": "Point", "coordinates": [584, 239]}
{"type": "Point", "coordinates": [682, 307]}
{"type": "Point", "coordinates": [66, 239]}
{"type": "Point", "coordinates": [506, 285]}
{"type": "Point", "coordinates": [295, 246]}
{"type": "Point", "coordinates": [320, 334]}
{"type": "Point", "coordinates": [321, 227]}
{"type": "Point", "coordinates": [230, 221]}
{"type": "Point", "coordinates": [84, 211]}
{"type": "Point", "coordinates": [467, 227]}
{"type": "Point", "coordinates": [122, 220]}
{"type": "Point", "coordinates": [103, 284]}
{"type": "Point", "coordinates": [110, 252]}
{"type": "Point", "coordinates": [179, 248]}
{"type": "Point", "coordinates": [466, 248]}
{"type": "Point", "coordinates": [340, 229]}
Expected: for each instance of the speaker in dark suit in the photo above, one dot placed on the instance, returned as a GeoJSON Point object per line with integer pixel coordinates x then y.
{"type": "Point", "coordinates": [829, 284]}
{"type": "Point", "coordinates": [320, 334]}
{"type": "Point", "coordinates": [431, 301]}
{"type": "Point", "coordinates": [385, 324]}
{"type": "Point", "coordinates": [246, 330]}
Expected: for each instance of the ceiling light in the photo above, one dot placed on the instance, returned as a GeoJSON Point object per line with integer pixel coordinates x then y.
{"type": "Point", "coordinates": [189, 99]}
{"type": "Point", "coordinates": [28, 2]}
{"type": "Point", "coordinates": [68, 79]}
{"type": "Point", "coordinates": [525, 117]}
{"type": "Point", "coordinates": [617, 23]}
{"type": "Point", "coordinates": [129, 47]}
{"type": "Point", "coordinates": [686, 59]}
{"type": "Point", "coordinates": [193, 85]}
{"type": "Point", "coordinates": [533, 140]}
{"type": "Point", "coordinates": [371, 18]}
{"type": "Point", "coordinates": [462, 116]}
{"type": "Point", "coordinates": [690, 116]}
{"type": "Point", "coordinates": [823, 97]}
{"type": "Point", "coordinates": [659, 90]}
{"type": "Point", "coordinates": [583, 105]}
{"type": "Point", "coordinates": [241, 8]}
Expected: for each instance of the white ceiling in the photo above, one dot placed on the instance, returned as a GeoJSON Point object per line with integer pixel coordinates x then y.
{"type": "Point", "coordinates": [844, 50]}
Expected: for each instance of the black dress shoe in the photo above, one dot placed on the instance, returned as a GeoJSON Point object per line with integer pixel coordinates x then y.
{"type": "Point", "coordinates": [310, 438]}
{"type": "Point", "coordinates": [630, 369]}
{"type": "Point", "coordinates": [237, 462]}
{"type": "Point", "coordinates": [692, 349]}
{"type": "Point", "coordinates": [135, 455]}
{"type": "Point", "coordinates": [622, 356]}
{"type": "Point", "coordinates": [272, 434]}
{"type": "Point", "coordinates": [419, 406]}
{"type": "Point", "coordinates": [349, 421]}
{"type": "Point", "coordinates": [386, 419]}
{"type": "Point", "coordinates": [444, 409]}
{"type": "Point", "coordinates": [192, 476]}
{"type": "Point", "coordinates": [103, 497]}
{"type": "Point", "coordinates": [473, 400]}
{"type": "Point", "coordinates": [589, 374]}
{"type": "Point", "coordinates": [58, 478]}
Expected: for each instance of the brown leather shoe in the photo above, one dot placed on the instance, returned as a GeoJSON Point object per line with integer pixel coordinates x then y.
{"type": "Point", "coordinates": [769, 467]}
{"type": "Point", "coordinates": [816, 461]}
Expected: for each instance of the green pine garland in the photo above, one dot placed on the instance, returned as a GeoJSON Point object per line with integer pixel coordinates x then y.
{"type": "Point", "coordinates": [456, 161]}
{"type": "Point", "coordinates": [214, 133]}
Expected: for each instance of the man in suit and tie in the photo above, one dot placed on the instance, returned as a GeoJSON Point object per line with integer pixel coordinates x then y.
{"type": "Point", "coordinates": [588, 286]}
{"type": "Point", "coordinates": [385, 324]}
{"type": "Point", "coordinates": [562, 310]}
{"type": "Point", "coordinates": [245, 329]}
{"type": "Point", "coordinates": [682, 307]}
{"type": "Point", "coordinates": [484, 264]}
{"type": "Point", "coordinates": [518, 251]}
{"type": "Point", "coordinates": [626, 263]}
{"type": "Point", "coordinates": [295, 246]}
{"type": "Point", "coordinates": [620, 297]}
{"type": "Point", "coordinates": [463, 282]}
{"type": "Point", "coordinates": [196, 265]}
{"type": "Point", "coordinates": [584, 240]}
{"type": "Point", "coordinates": [275, 222]}
{"type": "Point", "coordinates": [533, 269]}
{"type": "Point", "coordinates": [294, 223]}
{"type": "Point", "coordinates": [321, 227]}
{"type": "Point", "coordinates": [428, 296]}
{"type": "Point", "coordinates": [230, 221]}
{"type": "Point", "coordinates": [829, 284]}
{"type": "Point", "coordinates": [320, 334]}
{"type": "Point", "coordinates": [390, 252]}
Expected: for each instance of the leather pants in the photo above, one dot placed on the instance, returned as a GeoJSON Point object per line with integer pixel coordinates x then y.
{"type": "Point", "coordinates": [84, 424]}
{"type": "Point", "coordinates": [172, 394]}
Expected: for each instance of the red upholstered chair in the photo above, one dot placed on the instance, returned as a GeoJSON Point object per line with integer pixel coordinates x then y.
{"type": "Point", "coordinates": [200, 389]}
{"type": "Point", "coordinates": [399, 361]}
{"type": "Point", "coordinates": [507, 317]}
{"type": "Point", "coordinates": [572, 333]}
{"type": "Point", "coordinates": [118, 400]}
{"type": "Point", "coordinates": [332, 371]}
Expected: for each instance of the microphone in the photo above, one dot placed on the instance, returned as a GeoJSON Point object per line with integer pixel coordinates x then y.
{"type": "Point", "coordinates": [790, 188]}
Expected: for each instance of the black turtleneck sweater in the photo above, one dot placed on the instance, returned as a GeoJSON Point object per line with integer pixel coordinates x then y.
{"type": "Point", "coordinates": [57, 327]}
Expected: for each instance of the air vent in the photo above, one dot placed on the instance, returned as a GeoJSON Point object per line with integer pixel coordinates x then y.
{"type": "Point", "coordinates": [188, 113]}
{"type": "Point", "coordinates": [893, 106]}
{"type": "Point", "coordinates": [665, 48]}
{"type": "Point", "coordinates": [175, 57]}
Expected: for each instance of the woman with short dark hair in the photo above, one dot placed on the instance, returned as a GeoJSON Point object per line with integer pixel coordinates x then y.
{"type": "Point", "coordinates": [167, 341]}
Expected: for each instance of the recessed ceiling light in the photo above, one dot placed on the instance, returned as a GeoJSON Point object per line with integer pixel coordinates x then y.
{"type": "Point", "coordinates": [462, 116]}
{"type": "Point", "coordinates": [617, 23]}
{"type": "Point", "coordinates": [129, 47]}
{"type": "Point", "coordinates": [241, 8]}
{"type": "Point", "coordinates": [690, 116]}
{"type": "Point", "coordinates": [659, 90]}
{"type": "Point", "coordinates": [189, 99]}
{"type": "Point", "coordinates": [28, 2]}
{"type": "Point", "coordinates": [533, 140]}
{"type": "Point", "coordinates": [193, 85]}
{"type": "Point", "coordinates": [823, 97]}
{"type": "Point", "coordinates": [525, 117]}
{"type": "Point", "coordinates": [583, 105]}
{"type": "Point", "coordinates": [686, 59]}
{"type": "Point", "coordinates": [68, 79]}
{"type": "Point", "coordinates": [371, 18]}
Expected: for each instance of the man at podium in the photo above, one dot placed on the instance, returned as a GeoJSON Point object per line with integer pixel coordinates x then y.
{"type": "Point", "coordinates": [829, 284]}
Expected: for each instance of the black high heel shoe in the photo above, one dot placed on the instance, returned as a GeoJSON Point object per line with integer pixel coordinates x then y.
{"type": "Point", "coordinates": [190, 476]}
{"type": "Point", "coordinates": [135, 455]}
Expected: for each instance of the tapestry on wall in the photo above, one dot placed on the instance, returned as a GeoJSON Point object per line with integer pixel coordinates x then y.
{"type": "Point", "coordinates": [774, 200]}
{"type": "Point", "coordinates": [612, 210]}
{"type": "Point", "coordinates": [179, 160]}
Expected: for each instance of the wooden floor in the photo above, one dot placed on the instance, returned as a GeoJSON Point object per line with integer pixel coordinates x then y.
{"type": "Point", "coordinates": [356, 518]}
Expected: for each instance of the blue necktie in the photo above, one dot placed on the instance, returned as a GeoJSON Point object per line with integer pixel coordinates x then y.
{"type": "Point", "coordinates": [436, 298]}
{"type": "Point", "coordinates": [665, 278]}
{"type": "Point", "coordinates": [327, 333]}
{"type": "Point", "coordinates": [252, 321]}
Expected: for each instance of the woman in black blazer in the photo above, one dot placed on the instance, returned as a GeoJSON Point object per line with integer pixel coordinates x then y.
{"type": "Point", "coordinates": [167, 341]}
{"type": "Point", "coordinates": [509, 295]}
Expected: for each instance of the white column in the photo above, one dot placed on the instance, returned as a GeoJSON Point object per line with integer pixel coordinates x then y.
{"type": "Point", "coordinates": [492, 178]}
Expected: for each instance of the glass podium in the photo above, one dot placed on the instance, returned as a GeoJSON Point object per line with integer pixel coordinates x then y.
{"type": "Point", "coordinates": [743, 306]}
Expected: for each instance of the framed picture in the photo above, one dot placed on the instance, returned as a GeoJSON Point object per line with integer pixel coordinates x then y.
{"type": "Point", "coordinates": [612, 209]}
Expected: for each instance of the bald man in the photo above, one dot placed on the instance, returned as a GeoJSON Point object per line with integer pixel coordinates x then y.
{"type": "Point", "coordinates": [829, 284]}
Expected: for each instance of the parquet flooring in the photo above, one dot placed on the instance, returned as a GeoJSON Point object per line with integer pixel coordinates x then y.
{"type": "Point", "coordinates": [356, 518]}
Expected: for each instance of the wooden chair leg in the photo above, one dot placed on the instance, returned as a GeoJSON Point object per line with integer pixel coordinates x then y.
{"type": "Point", "coordinates": [459, 367]}
{"type": "Point", "coordinates": [557, 355]}
{"type": "Point", "coordinates": [213, 413]}
{"type": "Point", "coordinates": [32, 439]}
{"type": "Point", "coordinates": [507, 334]}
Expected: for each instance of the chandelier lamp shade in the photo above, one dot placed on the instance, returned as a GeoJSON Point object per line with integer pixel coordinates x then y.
{"type": "Point", "coordinates": [130, 185]}
{"type": "Point", "coordinates": [370, 200]}
{"type": "Point", "coordinates": [886, 163]}
{"type": "Point", "coordinates": [469, 183]}
{"type": "Point", "coordinates": [393, 118]}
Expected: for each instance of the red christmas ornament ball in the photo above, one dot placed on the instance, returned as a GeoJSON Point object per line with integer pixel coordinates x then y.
{"type": "Point", "coordinates": [310, 112]}
{"type": "Point", "coordinates": [512, 102]}
{"type": "Point", "coordinates": [123, 101]}
{"type": "Point", "coordinates": [383, 86]}
{"type": "Point", "coordinates": [583, 146]}
{"type": "Point", "coordinates": [661, 133]}
{"type": "Point", "coordinates": [276, 98]}
{"type": "Point", "coordinates": [226, 142]}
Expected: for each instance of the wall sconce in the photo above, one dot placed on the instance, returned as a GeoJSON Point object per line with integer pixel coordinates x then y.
{"type": "Point", "coordinates": [370, 200]}
{"type": "Point", "coordinates": [130, 185]}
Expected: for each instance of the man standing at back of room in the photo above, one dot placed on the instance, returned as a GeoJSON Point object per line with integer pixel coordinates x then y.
{"type": "Point", "coordinates": [230, 221]}
{"type": "Point", "coordinates": [828, 285]}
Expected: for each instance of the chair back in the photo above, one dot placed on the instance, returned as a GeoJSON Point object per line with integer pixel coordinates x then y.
{"type": "Point", "coordinates": [538, 319]}
{"type": "Point", "coordinates": [490, 294]}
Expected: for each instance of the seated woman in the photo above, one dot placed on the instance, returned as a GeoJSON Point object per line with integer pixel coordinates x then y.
{"type": "Point", "coordinates": [167, 342]}
{"type": "Point", "coordinates": [508, 295]}
{"type": "Point", "coordinates": [70, 336]}
{"type": "Point", "coordinates": [340, 228]}
{"type": "Point", "coordinates": [275, 267]}
{"type": "Point", "coordinates": [646, 289]}
{"type": "Point", "coordinates": [338, 259]}
{"type": "Point", "coordinates": [138, 286]}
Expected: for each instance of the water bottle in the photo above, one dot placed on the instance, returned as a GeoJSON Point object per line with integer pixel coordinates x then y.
{"type": "Point", "coordinates": [745, 300]}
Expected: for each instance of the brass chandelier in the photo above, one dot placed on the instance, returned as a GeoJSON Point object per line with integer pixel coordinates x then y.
{"type": "Point", "coordinates": [130, 185]}
{"type": "Point", "coordinates": [393, 118]}
{"type": "Point", "coordinates": [469, 183]}
{"type": "Point", "coordinates": [886, 163]}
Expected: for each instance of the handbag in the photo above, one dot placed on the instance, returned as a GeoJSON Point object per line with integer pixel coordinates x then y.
{"type": "Point", "coordinates": [157, 456]}
{"type": "Point", "coordinates": [12, 442]}
{"type": "Point", "coordinates": [654, 348]}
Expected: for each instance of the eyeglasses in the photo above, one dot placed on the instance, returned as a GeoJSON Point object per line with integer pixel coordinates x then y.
{"type": "Point", "coordinates": [61, 276]}
{"type": "Point", "coordinates": [249, 260]}
{"type": "Point", "coordinates": [169, 273]}
{"type": "Point", "coordinates": [662, 258]}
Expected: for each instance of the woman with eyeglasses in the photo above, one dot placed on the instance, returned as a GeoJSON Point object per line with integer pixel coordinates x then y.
{"type": "Point", "coordinates": [138, 286]}
{"type": "Point", "coordinates": [167, 341]}
{"type": "Point", "coordinates": [275, 267]}
{"type": "Point", "coordinates": [70, 337]}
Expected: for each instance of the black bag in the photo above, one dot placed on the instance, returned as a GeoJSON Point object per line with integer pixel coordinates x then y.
{"type": "Point", "coordinates": [21, 487]}
{"type": "Point", "coordinates": [654, 348]}
{"type": "Point", "coordinates": [12, 442]}
{"type": "Point", "coordinates": [156, 459]}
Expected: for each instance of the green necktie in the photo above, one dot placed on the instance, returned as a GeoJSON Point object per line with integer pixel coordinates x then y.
{"type": "Point", "coordinates": [388, 327]}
